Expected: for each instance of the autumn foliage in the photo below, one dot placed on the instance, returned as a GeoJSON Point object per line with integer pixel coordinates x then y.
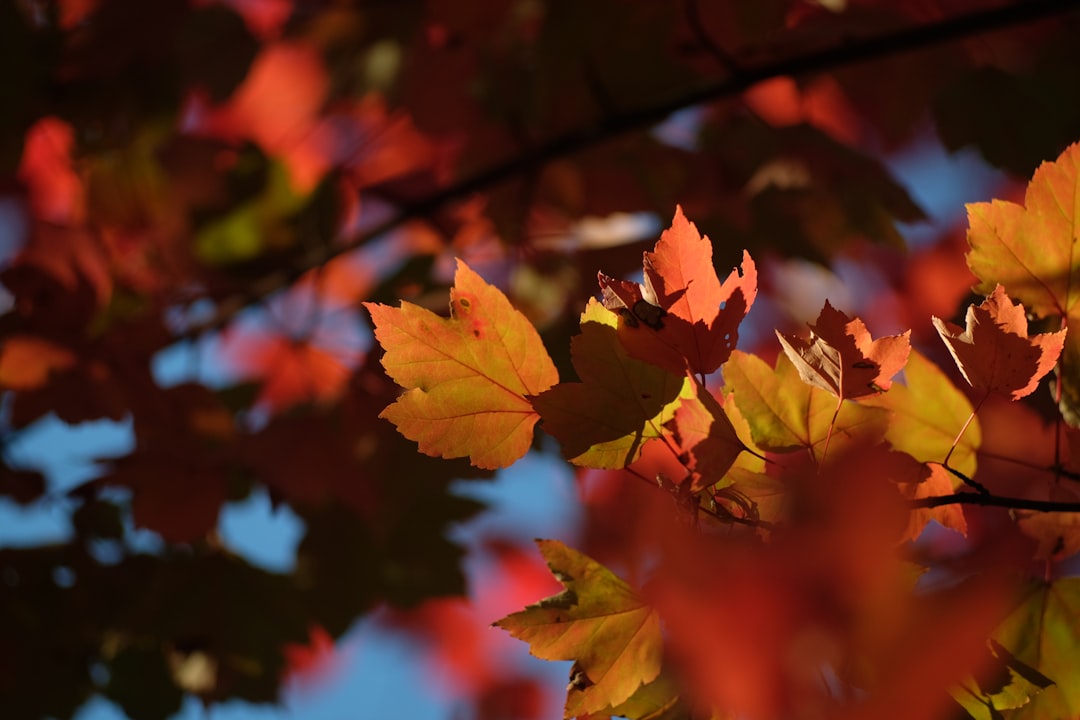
{"type": "Point", "coordinates": [356, 258]}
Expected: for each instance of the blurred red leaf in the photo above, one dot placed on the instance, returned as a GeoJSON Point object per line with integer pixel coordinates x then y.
{"type": "Point", "coordinates": [27, 361]}
{"type": "Point", "coordinates": [292, 371]}
{"type": "Point", "coordinates": [177, 496]}
{"type": "Point", "coordinates": [515, 699]}
{"type": "Point", "coordinates": [314, 663]}
{"type": "Point", "coordinates": [56, 190]}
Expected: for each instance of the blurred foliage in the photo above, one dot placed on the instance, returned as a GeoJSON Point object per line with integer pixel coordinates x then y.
{"type": "Point", "coordinates": [248, 172]}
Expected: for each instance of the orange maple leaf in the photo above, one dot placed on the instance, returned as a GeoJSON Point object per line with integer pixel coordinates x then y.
{"type": "Point", "coordinates": [840, 357]}
{"type": "Point", "coordinates": [470, 377]}
{"type": "Point", "coordinates": [1031, 249]}
{"type": "Point", "coordinates": [683, 316]}
{"type": "Point", "coordinates": [936, 481]}
{"type": "Point", "coordinates": [995, 352]}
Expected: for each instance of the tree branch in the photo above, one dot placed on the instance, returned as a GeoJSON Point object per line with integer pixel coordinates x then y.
{"type": "Point", "coordinates": [817, 61]}
{"type": "Point", "coordinates": [995, 501]}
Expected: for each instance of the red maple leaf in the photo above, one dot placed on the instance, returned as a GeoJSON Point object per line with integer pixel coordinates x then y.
{"type": "Point", "coordinates": [682, 316]}
{"type": "Point", "coordinates": [840, 356]}
{"type": "Point", "coordinates": [995, 352]}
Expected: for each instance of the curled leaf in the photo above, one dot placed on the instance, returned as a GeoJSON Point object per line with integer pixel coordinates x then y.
{"type": "Point", "coordinates": [785, 414]}
{"type": "Point", "coordinates": [841, 357]}
{"type": "Point", "coordinates": [682, 317]}
{"type": "Point", "coordinates": [995, 352]}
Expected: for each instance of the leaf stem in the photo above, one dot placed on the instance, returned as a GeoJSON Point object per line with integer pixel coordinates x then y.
{"type": "Point", "coordinates": [828, 435]}
{"type": "Point", "coordinates": [967, 423]}
{"type": "Point", "coordinates": [977, 486]}
{"type": "Point", "coordinates": [1058, 388]}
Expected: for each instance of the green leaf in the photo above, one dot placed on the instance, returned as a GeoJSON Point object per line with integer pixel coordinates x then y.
{"type": "Point", "coordinates": [1011, 685]}
{"type": "Point", "coordinates": [927, 413]}
{"type": "Point", "coordinates": [658, 700]}
{"type": "Point", "coordinates": [257, 225]}
{"type": "Point", "coordinates": [1043, 633]}
{"type": "Point", "coordinates": [600, 623]}
{"type": "Point", "coordinates": [621, 403]}
{"type": "Point", "coordinates": [786, 414]}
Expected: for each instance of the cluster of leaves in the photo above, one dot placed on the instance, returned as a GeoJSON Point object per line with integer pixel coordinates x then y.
{"type": "Point", "coordinates": [828, 446]}
{"type": "Point", "coordinates": [233, 181]}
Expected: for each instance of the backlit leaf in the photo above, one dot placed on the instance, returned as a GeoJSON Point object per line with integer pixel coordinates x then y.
{"type": "Point", "coordinates": [600, 623]}
{"type": "Point", "coordinates": [927, 414]}
{"type": "Point", "coordinates": [840, 356]}
{"type": "Point", "coordinates": [938, 481]}
{"type": "Point", "coordinates": [1009, 685]}
{"type": "Point", "coordinates": [786, 414]}
{"type": "Point", "coordinates": [683, 317]}
{"type": "Point", "coordinates": [704, 432]}
{"type": "Point", "coordinates": [1042, 632]}
{"type": "Point", "coordinates": [621, 403]}
{"type": "Point", "coordinates": [469, 376]}
{"type": "Point", "coordinates": [1031, 249]}
{"type": "Point", "coordinates": [995, 352]}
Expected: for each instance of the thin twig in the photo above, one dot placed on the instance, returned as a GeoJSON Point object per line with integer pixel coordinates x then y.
{"type": "Point", "coordinates": [995, 501]}
{"type": "Point", "coordinates": [816, 61]}
{"type": "Point", "coordinates": [974, 484]}
{"type": "Point", "coordinates": [1058, 471]}
{"type": "Point", "coordinates": [967, 424]}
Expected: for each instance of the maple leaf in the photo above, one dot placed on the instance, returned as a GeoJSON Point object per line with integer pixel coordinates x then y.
{"type": "Point", "coordinates": [612, 635]}
{"type": "Point", "coordinates": [937, 481]}
{"type": "Point", "coordinates": [785, 413]}
{"type": "Point", "coordinates": [1042, 633]}
{"type": "Point", "coordinates": [928, 411]}
{"type": "Point", "coordinates": [1031, 249]}
{"type": "Point", "coordinates": [682, 317]}
{"type": "Point", "coordinates": [469, 376]}
{"type": "Point", "coordinates": [704, 432]}
{"type": "Point", "coordinates": [603, 421]}
{"type": "Point", "coordinates": [840, 356]}
{"type": "Point", "coordinates": [1010, 684]}
{"type": "Point", "coordinates": [1058, 533]}
{"type": "Point", "coordinates": [995, 353]}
